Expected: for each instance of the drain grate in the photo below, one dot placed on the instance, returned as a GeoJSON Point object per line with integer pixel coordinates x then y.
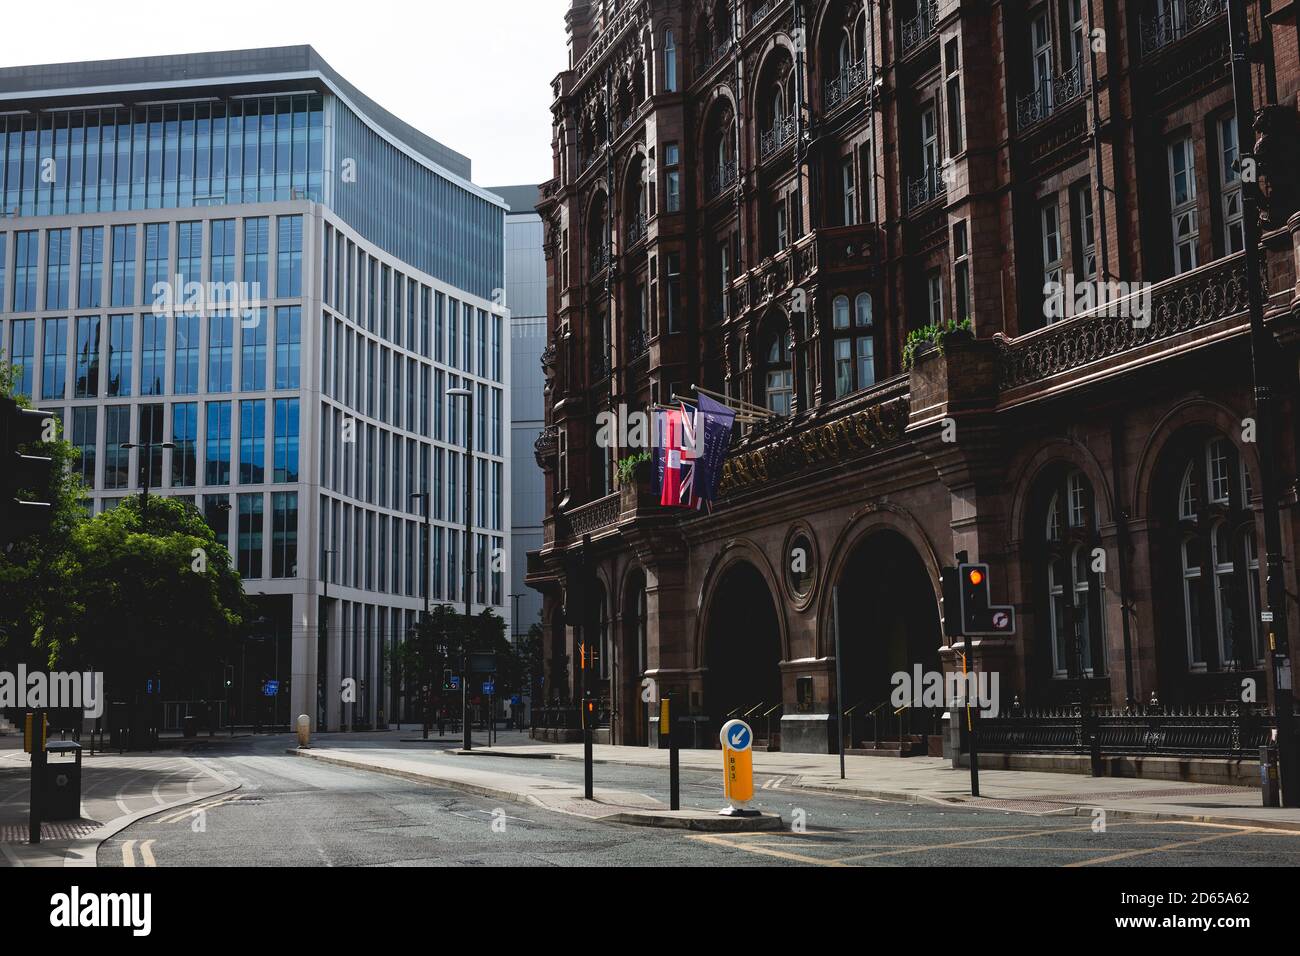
{"type": "Point", "coordinates": [17, 832]}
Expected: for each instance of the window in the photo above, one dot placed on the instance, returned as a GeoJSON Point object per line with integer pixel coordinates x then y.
{"type": "Point", "coordinates": [672, 297]}
{"type": "Point", "coordinates": [1182, 205]}
{"type": "Point", "coordinates": [934, 297]}
{"type": "Point", "coordinates": [151, 440]}
{"type": "Point", "coordinates": [216, 511]}
{"type": "Point", "coordinates": [252, 370]}
{"type": "Point", "coordinates": [1040, 40]}
{"type": "Point", "coordinates": [221, 352]}
{"type": "Point", "coordinates": [1049, 219]}
{"type": "Point", "coordinates": [961, 270]}
{"type": "Point", "coordinates": [153, 354]}
{"type": "Point", "coordinates": [1085, 239]}
{"type": "Point", "coordinates": [252, 442]}
{"type": "Point", "coordinates": [288, 279]}
{"type": "Point", "coordinates": [848, 191]}
{"type": "Point", "coordinates": [1077, 34]}
{"type": "Point", "coordinates": [217, 447]}
{"type": "Point", "coordinates": [22, 353]}
{"type": "Point", "coordinates": [255, 256]}
{"type": "Point", "coordinates": [26, 256]}
{"type": "Point", "coordinates": [284, 534]}
{"type": "Point", "coordinates": [54, 378]}
{"type": "Point", "coordinates": [854, 344]}
{"type": "Point", "coordinates": [221, 252]}
{"type": "Point", "coordinates": [952, 94]}
{"type": "Point", "coordinates": [1214, 527]}
{"type": "Point", "coordinates": [58, 268]}
{"type": "Point", "coordinates": [288, 345]}
{"type": "Point", "coordinates": [1230, 187]}
{"type": "Point", "coordinates": [86, 382]}
{"type": "Point", "coordinates": [672, 178]}
{"type": "Point", "coordinates": [120, 351]}
{"type": "Point", "coordinates": [123, 281]}
{"type": "Point", "coordinates": [155, 262]}
{"type": "Point", "coordinates": [780, 227]}
{"type": "Point", "coordinates": [4, 259]}
{"type": "Point", "coordinates": [90, 285]}
{"type": "Point", "coordinates": [776, 371]}
{"type": "Point", "coordinates": [117, 460]}
{"type": "Point", "coordinates": [185, 377]}
{"type": "Point", "coordinates": [930, 149]}
{"type": "Point", "coordinates": [670, 62]}
{"type": "Point", "coordinates": [250, 535]}
{"type": "Point", "coordinates": [185, 433]}
{"type": "Point", "coordinates": [189, 253]}
{"type": "Point", "coordinates": [84, 420]}
{"type": "Point", "coordinates": [1075, 591]}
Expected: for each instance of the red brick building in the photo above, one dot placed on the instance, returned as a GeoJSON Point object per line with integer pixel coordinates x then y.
{"type": "Point", "coordinates": [765, 199]}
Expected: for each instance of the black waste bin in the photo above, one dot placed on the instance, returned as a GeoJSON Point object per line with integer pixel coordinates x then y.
{"type": "Point", "coordinates": [61, 796]}
{"type": "Point", "coordinates": [190, 727]}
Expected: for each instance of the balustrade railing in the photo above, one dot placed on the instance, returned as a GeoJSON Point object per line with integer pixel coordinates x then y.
{"type": "Point", "coordinates": [1174, 19]}
{"type": "Point", "coordinates": [720, 178]}
{"type": "Point", "coordinates": [925, 188]}
{"type": "Point", "coordinates": [1051, 94]}
{"type": "Point", "coordinates": [921, 27]}
{"type": "Point", "coordinates": [850, 80]}
{"type": "Point", "coordinates": [781, 133]}
{"type": "Point", "coordinates": [636, 230]}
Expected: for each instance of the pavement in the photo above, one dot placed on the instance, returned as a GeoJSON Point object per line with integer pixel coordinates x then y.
{"type": "Point", "coordinates": [117, 791]}
{"type": "Point", "coordinates": [930, 780]}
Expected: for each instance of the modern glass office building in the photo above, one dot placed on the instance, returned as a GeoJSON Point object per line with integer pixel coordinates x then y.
{"type": "Point", "coordinates": [241, 254]}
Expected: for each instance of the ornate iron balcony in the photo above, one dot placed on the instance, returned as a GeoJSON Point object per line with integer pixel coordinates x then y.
{"type": "Point", "coordinates": [638, 344]}
{"type": "Point", "coordinates": [1175, 19]}
{"type": "Point", "coordinates": [636, 230]}
{"type": "Point", "coordinates": [781, 133]}
{"type": "Point", "coordinates": [722, 178]}
{"type": "Point", "coordinates": [761, 12]}
{"type": "Point", "coordinates": [925, 188]}
{"type": "Point", "coordinates": [1053, 93]}
{"type": "Point", "coordinates": [921, 27]}
{"type": "Point", "coordinates": [600, 258]}
{"type": "Point", "coordinates": [852, 79]}
{"type": "Point", "coordinates": [600, 366]}
{"type": "Point", "coordinates": [718, 52]}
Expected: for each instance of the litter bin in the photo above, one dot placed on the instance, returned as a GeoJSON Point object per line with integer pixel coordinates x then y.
{"type": "Point", "coordinates": [189, 727]}
{"type": "Point", "coordinates": [62, 791]}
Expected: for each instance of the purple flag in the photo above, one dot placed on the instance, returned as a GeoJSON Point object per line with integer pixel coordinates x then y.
{"type": "Point", "coordinates": [712, 444]}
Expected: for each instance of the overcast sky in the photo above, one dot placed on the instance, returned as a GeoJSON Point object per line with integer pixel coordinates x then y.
{"type": "Point", "coordinates": [473, 74]}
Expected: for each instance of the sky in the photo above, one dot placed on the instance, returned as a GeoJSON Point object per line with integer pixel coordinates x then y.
{"type": "Point", "coordinates": [473, 74]}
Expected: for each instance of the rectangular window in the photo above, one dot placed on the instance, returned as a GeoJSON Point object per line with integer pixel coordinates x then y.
{"type": "Point", "coordinates": [221, 252]}
{"type": "Point", "coordinates": [185, 435]}
{"type": "Point", "coordinates": [84, 421]}
{"type": "Point", "coordinates": [90, 285]}
{"type": "Point", "coordinates": [286, 441]}
{"type": "Point", "coordinates": [961, 269]}
{"type": "Point", "coordinates": [439, 335]}
{"type": "Point", "coordinates": [848, 191]}
{"type": "Point", "coordinates": [252, 442]}
{"type": "Point", "coordinates": [250, 535]}
{"type": "Point", "coordinates": [284, 534]}
{"type": "Point", "coordinates": [256, 261]}
{"type": "Point", "coordinates": [781, 228]}
{"type": "Point", "coordinates": [672, 178]}
{"type": "Point", "coordinates": [288, 346]}
{"type": "Point", "coordinates": [26, 256]}
{"type": "Point", "coordinates": [123, 284]}
{"type": "Point", "coordinates": [54, 379]}
{"type": "Point", "coordinates": [4, 255]}
{"type": "Point", "coordinates": [117, 460]}
{"type": "Point", "coordinates": [217, 448]}
{"type": "Point", "coordinates": [155, 261]}
{"type": "Point", "coordinates": [58, 268]}
{"type": "Point", "coordinates": [216, 511]}
{"type": "Point", "coordinates": [22, 354]}
{"type": "Point", "coordinates": [185, 376]}
{"type": "Point", "coordinates": [934, 297]}
{"type": "Point", "coordinates": [121, 348]}
{"type": "Point", "coordinates": [288, 276]}
{"type": "Point", "coordinates": [673, 294]}
{"type": "Point", "coordinates": [86, 382]}
{"type": "Point", "coordinates": [153, 354]}
{"type": "Point", "coordinates": [1085, 239]}
{"type": "Point", "coordinates": [221, 352]}
{"type": "Point", "coordinates": [189, 253]}
{"type": "Point", "coordinates": [1182, 205]}
{"type": "Point", "coordinates": [952, 95]}
{"type": "Point", "coordinates": [453, 340]}
{"type": "Point", "coordinates": [1230, 187]}
{"type": "Point", "coordinates": [1049, 218]}
{"type": "Point", "coordinates": [151, 441]}
{"type": "Point", "coordinates": [252, 348]}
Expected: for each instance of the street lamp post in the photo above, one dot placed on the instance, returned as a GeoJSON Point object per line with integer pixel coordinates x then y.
{"type": "Point", "coordinates": [468, 395]}
{"type": "Point", "coordinates": [147, 448]}
{"type": "Point", "coordinates": [1263, 350]}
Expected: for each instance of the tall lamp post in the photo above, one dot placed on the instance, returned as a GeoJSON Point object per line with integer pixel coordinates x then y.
{"type": "Point", "coordinates": [1263, 352]}
{"type": "Point", "coordinates": [147, 448]}
{"type": "Point", "coordinates": [468, 395]}
{"type": "Point", "coordinates": [426, 498]}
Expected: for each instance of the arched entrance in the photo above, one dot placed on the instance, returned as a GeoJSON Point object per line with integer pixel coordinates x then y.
{"type": "Point", "coordinates": [633, 712]}
{"type": "Point", "coordinates": [889, 623]}
{"type": "Point", "coordinates": [742, 646]}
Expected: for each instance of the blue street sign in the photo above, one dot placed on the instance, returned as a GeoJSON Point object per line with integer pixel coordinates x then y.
{"type": "Point", "coordinates": [271, 688]}
{"type": "Point", "coordinates": [488, 687]}
{"type": "Point", "coordinates": [738, 735]}
{"type": "Point", "coordinates": [514, 698]}
{"type": "Point", "coordinates": [455, 682]}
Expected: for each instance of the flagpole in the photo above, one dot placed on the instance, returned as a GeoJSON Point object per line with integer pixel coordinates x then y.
{"type": "Point", "coordinates": [728, 400]}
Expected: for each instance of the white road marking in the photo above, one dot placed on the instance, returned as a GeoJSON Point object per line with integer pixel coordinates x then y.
{"type": "Point", "coordinates": [128, 858]}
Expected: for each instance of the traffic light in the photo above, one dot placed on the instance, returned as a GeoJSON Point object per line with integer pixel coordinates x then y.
{"type": "Point", "coordinates": [230, 674]}
{"type": "Point", "coordinates": [446, 678]}
{"type": "Point", "coordinates": [966, 607]}
{"type": "Point", "coordinates": [588, 711]}
{"type": "Point", "coordinates": [25, 478]}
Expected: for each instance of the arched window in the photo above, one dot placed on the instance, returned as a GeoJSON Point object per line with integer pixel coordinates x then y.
{"type": "Point", "coordinates": [775, 372]}
{"type": "Point", "coordinates": [1218, 559]}
{"type": "Point", "coordinates": [854, 343]}
{"type": "Point", "coordinates": [670, 62]}
{"type": "Point", "coordinates": [1076, 578]}
{"type": "Point", "coordinates": [845, 56]}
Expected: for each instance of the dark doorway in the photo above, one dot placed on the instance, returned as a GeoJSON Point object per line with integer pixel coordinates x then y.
{"type": "Point", "coordinates": [742, 647]}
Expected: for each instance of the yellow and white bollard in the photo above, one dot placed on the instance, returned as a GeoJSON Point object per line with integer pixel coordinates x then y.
{"type": "Point", "coordinates": [737, 739]}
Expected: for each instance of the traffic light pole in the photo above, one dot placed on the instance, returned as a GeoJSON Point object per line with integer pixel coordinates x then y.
{"type": "Point", "coordinates": [1262, 359]}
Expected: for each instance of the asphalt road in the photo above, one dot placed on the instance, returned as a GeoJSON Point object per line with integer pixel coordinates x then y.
{"type": "Point", "coordinates": [292, 811]}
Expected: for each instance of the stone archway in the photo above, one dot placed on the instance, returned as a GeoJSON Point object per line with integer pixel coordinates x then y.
{"type": "Point", "coordinates": [742, 650]}
{"type": "Point", "coordinates": [889, 624]}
